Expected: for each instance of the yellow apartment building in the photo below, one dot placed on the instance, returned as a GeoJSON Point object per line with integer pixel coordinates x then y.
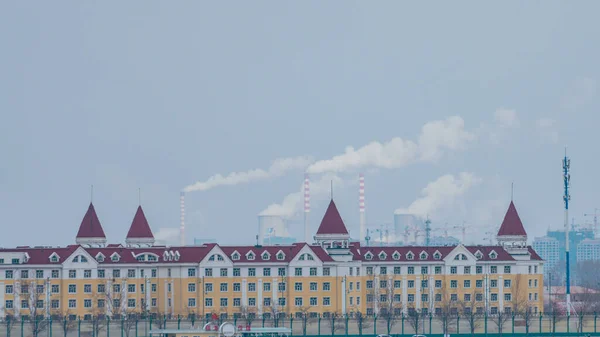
{"type": "Point", "coordinates": [332, 275]}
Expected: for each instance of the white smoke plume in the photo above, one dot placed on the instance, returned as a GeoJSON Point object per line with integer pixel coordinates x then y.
{"type": "Point", "coordinates": [435, 137]}
{"type": "Point", "coordinates": [506, 118]}
{"type": "Point", "coordinates": [279, 167]}
{"type": "Point", "coordinates": [293, 203]}
{"type": "Point", "coordinates": [440, 193]}
{"type": "Point", "coordinates": [167, 235]}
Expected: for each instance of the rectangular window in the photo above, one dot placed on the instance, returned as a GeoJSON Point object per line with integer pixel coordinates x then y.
{"type": "Point", "coordinates": [9, 289]}
{"type": "Point", "coordinates": [116, 288]}
{"type": "Point", "coordinates": [369, 270]}
{"type": "Point", "coordinates": [383, 284]}
{"type": "Point", "coordinates": [87, 273]}
{"type": "Point", "coordinates": [313, 286]}
{"type": "Point", "coordinates": [383, 270]}
{"type": "Point", "coordinates": [252, 302]}
{"type": "Point", "coordinates": [72, 273]}
{"type": "Point", "coordinates": [467, 283]}
{"type": "Point", "coordinates": [208, 287]}
{"type": "Point", "coordinates": [438, 270]}
{"type": "Point", "coordinates": [236, 272]}
{"type": "Point", "coordinates": [479, 270]}
{"type": "Point", "coordinates": [266, 271]}
{"type": "Point", "coordinates": [298, 301]}
{"type": "Point", "coordinates": [131, 303]}
{"type": "Point", "coordinates": [298, 286]}
{"type": "Point", "coordinates": [424, 284]}
{"type": "Point", "coordinates": [326, 301]}
{"type": "Point", "coordinates": [281, 286]}
{"type": "Point", "coordinates": [507, 283]}
{"type": "Point", "coordinates": [116, 273]}
{"type": "Point", "coordinates": [397, 270]}
{"type": "Point", "coordinates": [467, 270]}
{"type": "Point", "coordinates": [313, 271]}
{"type": "Point", "coordinates": [223, 302]}
{"type": "Point", "coordinates": [267, 301]}
{"type": "Point", "coordinates": [369, 284]}
{"type": "Point", "coordinates": [87, 288]}
{"type": "Point", "coordinates": [298, 271]}
{"type": "Point", "coordinates": [251, 272]}
{"type": "Point", "coordinates": [453, 284]}
{"type": "Point", "coordinates": [397, 284]}
{"type": "Point", "coordinates": [223, 287]}
{"type": "Point", "coordinates": [237, 302]}
{"type": "Point", "coordinates": [87, 303]}
{"type": "Point", "coordinates": [506, 269]}
{"type": "Point", "coordinates": [208, 273]}
{"type": "Point", "coordinates": [8, 274]}
{"type": "Point", "coordinates": [313, 301]}
{"type": "Point", "coordinates": [493, 269]}
{"type": "Point", "coordinates": [72, 289]}
{"type": "Point", "coordinates": [438, 283]}
{"type": "Point", "coordinates": [131, 288]}
{"type": "Point", "coordinates": [494, 297]}
{"type": "Point", "coordinates": [453, 270]}
{"type": "Point", "coordinates": [237, 287]}
{"type": "Point", "coordinates": [55, 273]}
{"type": "Point", "coordinates": [411, 298]}
{"type": "Point", "coordinates": [281, 271]}
{"type": "Point", "coordinates": [327, 271]}
{"type": "Point", "coordinates": [223, 272]}
{"type": "Point", "coordinates": [192, 287]}
{"type": "Point", "coordinates": [479, 283]}
{"type": "Point", "coordinates": [494, 284]}
{"type": "Point", "coordinates": [39, 274]}
{"type": "Point", "coordinates": [191, 272]}
{"type": "Point", "coordinates": [507, 297]}
{"type": "Point", "coordinates": [424, 270]}
{"type": "Point", "coordinates": [154, 287]}
{"type": "Point", "coordinates": [411, 270]}
{"type": "Point", "coordinates": [411, 284]}
{"type": "Point", "coordinates": [72, 304]}
{"type": "Point", "coordinates": [453, 298]}
{"type": "Point", "coordinates": [191, 302]}
{"type": "Point", "coordinates": [55, 304]}
{"type": "Point", "coordinates": [153, 273]}
{"type": "Point", "coordinates": [55, 289]}
{"type": "Point", "coordinates": [131, 273]}
{"type": "Point", "coordinates": [326, 286]}
{"type": "Point", "coordinates": [251, 286]}
{"type": "Point", "coordinates": [208, 302]}
{"type": "Point", "coordinates": [478, 297]}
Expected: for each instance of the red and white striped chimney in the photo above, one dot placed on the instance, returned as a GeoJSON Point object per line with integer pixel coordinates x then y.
{"type": "Point", "coordinates": [361, 206]}
{"type": "Point", "coordinates": [182, 218]}
{"type": "Point", "coordinates": [306, 208]}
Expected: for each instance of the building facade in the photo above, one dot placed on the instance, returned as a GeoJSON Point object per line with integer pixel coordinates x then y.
{"type": "Point", "coordinates": [588, 250]}
{"type": "Point", "coordinates": [549, 249]}
{"type": "Point", "coordinates": [330, 275]}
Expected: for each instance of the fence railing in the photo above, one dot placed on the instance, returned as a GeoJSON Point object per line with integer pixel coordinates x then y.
{"type": "Point", "coordinates": [430, 325]}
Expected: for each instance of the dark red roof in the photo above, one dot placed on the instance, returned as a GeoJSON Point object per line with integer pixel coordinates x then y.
{"type": "Point", "coordinates": [289, 251]}
{"type": "Point", "coordinates": [139, 226]}
{"type": "Point", "coordinates": [332, 222]}
{"type": "Point", "coordinates": [502, 255]}
{"type": "Point", "coordinates": [512, 224]}
{"type": "Point", "coordinates": [90, 225]}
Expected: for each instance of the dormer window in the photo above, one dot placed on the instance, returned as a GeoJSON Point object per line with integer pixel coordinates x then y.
{"type": "Point", "coordinates": [493, 255]}
{"type": "Point", "coordinates": [369, 256]}
{"type": "Point", "coordinates": [280, 256]}
{"type": "Point", "coordinates": [437, 255]}
{"type": "Point", "coordinates": [423, 256]}
{"type": "Point", "coordinates": [396, 256]}
{"type": "Point", "coordinates": [478, 255]}
{"type": "Point", "coordinates": [115, 257]}
{"type": "Point", "coordinates": [83, 259]}
{"type": "Point", "coordinates": [235, 256]}
{"type": "Point", "coordinates": [166, 256]}
{"type": "Point", "coordinates": [26, 258]}
{"type": "Point", "coordinates": [462, 257]}
{"type": "Point", "coordinates": [177, 255]}
{"type": "Point", "coordinates": [214, 257]}
{"type": "Point", "coordinates": [410, 256]}
{"type": "Point", "coordinates": [382, 256]}
{"type": "Point", "coordinates": [76, 258]}
{"type": "Point", "coordinates": [54, 258]}
{"type": "Point", "coordinates": [265, 256]}
{"type": "Point", "coordinates": [100, 257]}
{"type": "Point", "coordinates": [250, 256]}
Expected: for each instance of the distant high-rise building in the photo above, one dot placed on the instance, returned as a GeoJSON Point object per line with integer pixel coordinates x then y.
{"type": "Point", "coordinates": [588, 250]}
{"type": "Point", "coordinates": [549, 249]}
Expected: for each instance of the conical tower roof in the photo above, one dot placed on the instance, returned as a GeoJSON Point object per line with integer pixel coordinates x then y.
{"type": "Point", "coordinates": [139, 226]}
{"type": "Point", "coordinates": [332, 222]}
{"type": "Point", "coordinates": [512, 225]}
{"type": "Point", "coordinates": [90, 225]}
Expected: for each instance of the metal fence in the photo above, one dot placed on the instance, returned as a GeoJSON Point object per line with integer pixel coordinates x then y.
{"type": "Point", "coordinates": [430, 325]}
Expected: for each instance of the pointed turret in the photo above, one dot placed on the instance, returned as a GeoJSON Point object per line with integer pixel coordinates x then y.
{"type": "Point", "coordinates": [90, 232]}
{"type": "Point", "coordinates": [140, 234]}
{"type": "Point", "coordinates": [512, 235]}
{"type": "Point", "coordinates": [333, 235]}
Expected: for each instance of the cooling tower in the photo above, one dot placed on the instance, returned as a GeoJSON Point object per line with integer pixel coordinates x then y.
{"type": "Point", "coordinates": [271, 225]}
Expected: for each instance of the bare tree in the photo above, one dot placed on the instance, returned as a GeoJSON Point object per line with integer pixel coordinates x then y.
{"type": "Point", "coordinates": [586, 303]}
{"type": "Point", "coordinates": [362, 322]}
{"type": "Point", "coordinates": [468, 308]}
{"type": "Point", "coordinates": [117, 304]}
{"type": "Point", "coordinates": [415, 317]}
{"type": "Point", "coordinates": [274, 311]}
{"type": "Point", "coordinates": [335, 321]}
{"type": "Point", "coordinates": [389, 304]}
{"type": "Point", "coordinates": [159, 317]}
{"type": "Point", "coordinates": [32, 294]}
{"type": "Point", "coordinates": [68, 322]}
{"type": "Point", "coordinates": [9, 320]}
{"type": "Point", "coordinates": [500, 319]}
{"type": "Point", "coordinates": [248, 314]}
{"type": "Point", "coordinates": [98, 311]}
{"type": "Point", "coordinates": [303, 315]}
{"type": "Point", "coordinates": [444, 308]}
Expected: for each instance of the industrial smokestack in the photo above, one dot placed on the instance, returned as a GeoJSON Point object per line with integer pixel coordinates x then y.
{"type": "Point", "coordinates": [361, 206]}
{"type": "Point", "coordinates": [182, 225]}
{"type": "Point", "coordinates": [306, 208]}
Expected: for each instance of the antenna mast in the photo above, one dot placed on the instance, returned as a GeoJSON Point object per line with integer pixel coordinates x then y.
{"type": "Point", "coordinates": [566, 199]}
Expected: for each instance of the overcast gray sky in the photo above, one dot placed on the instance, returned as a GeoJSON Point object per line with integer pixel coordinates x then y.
{"type": "Point", "coordinates": [161, 95]}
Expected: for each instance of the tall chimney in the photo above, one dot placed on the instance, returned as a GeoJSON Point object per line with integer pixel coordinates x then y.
{"type": "Point", "coordinates": [182, 225]}
{"type": "Point", "coordinates": [306, 208]}
{"type": "Point", "coordinates": [361, 206]}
